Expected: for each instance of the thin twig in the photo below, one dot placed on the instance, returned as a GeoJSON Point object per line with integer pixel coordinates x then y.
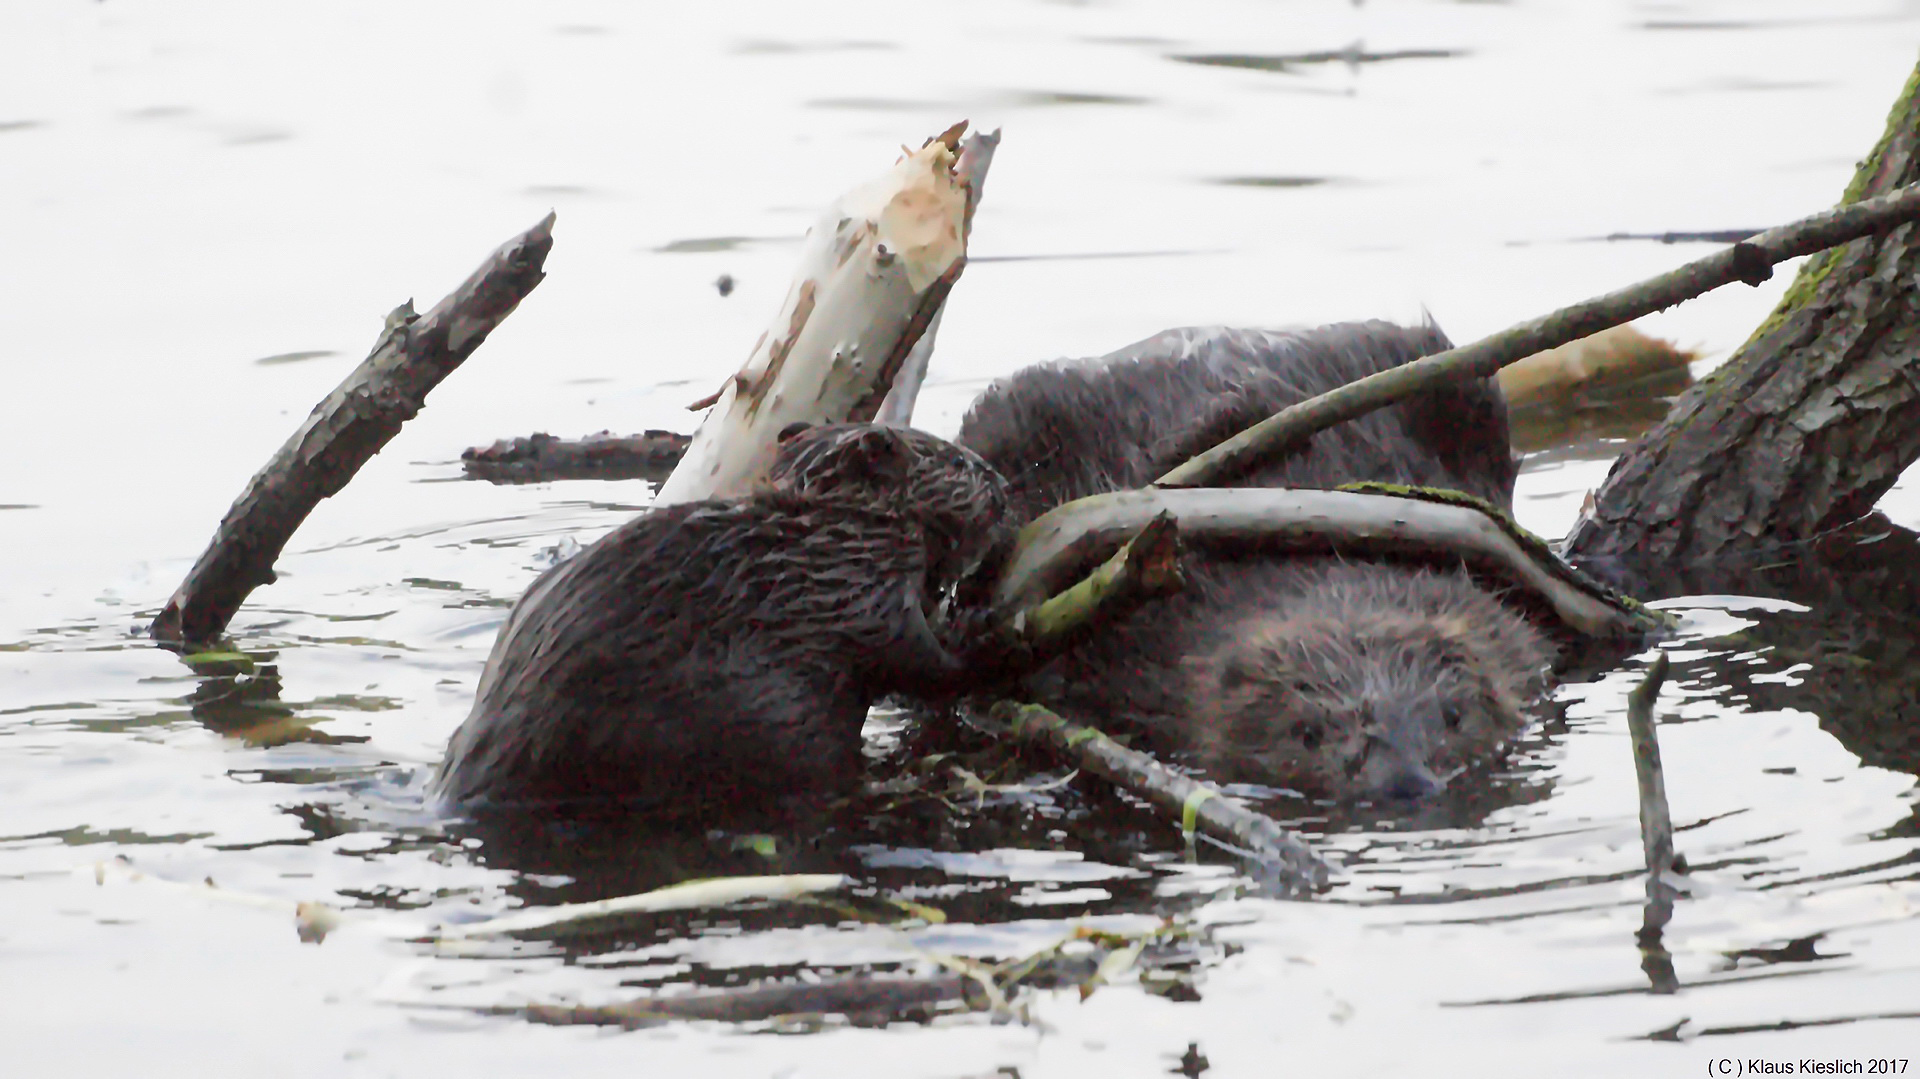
{"type": "Point", "coordinates": [1656, 826]}
{"type": "Point", "coordinates": [1751, 261]}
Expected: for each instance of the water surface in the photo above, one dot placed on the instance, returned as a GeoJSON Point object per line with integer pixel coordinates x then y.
{"type": "Point", "coordinates": [207, 208]}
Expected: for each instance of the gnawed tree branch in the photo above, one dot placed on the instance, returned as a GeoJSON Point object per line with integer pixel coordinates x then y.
{"type": "Point", "coordinates": [1751, 261]}
{"type": "Point", "coordinates": [976, 157]}
{"type": "Point", "coordinates": [873, 274]}
{"type": "Point", "coordinates": [1618, 364]}
{"type": "Point", "coordinates": [344, 431]}
{"type": "Point", "coordinates": [1809, 423]}
{"type": "Point", "coordinates": [1054, 550]}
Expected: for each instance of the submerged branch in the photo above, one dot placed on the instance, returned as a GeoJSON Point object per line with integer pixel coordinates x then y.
{"type": "Point", "coordinates": [863, 1000]}
{"type": "Point", "coordinates": [1751, 261]}
{"type": "Point", "coordinates": [344, 431]}
{"type": "Point", "coordinates": [1288, 865]}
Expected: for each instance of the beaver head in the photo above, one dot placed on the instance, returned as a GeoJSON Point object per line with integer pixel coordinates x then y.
{"type": "Point", "coordinates": [958, 498]}
{"type": "Point", "coordinates": [1381, 689]}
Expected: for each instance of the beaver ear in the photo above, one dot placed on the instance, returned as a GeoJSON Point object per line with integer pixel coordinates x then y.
{"type": "Point", "coordinates": [882, 454]}
{"type": "Point", "coordinates": [792, 429]}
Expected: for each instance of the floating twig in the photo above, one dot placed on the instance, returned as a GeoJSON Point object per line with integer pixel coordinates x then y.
{"type": "Point", "coordinates": [862, 999]}
{"type": "Point", "coordinates": [689, 895]}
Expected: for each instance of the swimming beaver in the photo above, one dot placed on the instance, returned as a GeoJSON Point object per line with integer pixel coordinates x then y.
{"type": "Point", "coordinates": [727, 651]}
{"type": "Point", "coordinates": [1341, 678]}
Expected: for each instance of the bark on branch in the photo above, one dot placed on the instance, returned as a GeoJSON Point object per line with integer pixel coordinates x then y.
{"type": "Point", "coordinates": [344, 431]}
{"type": "Point", "coordinates": [1288, 865]}
{"type": "Point", "coordinates": [542, 458]}
{"type": "Point", "coordinates": [1751, 261]}
{"type": "Point", "coordinates": [1656, 823]}
{"type": "Point", "coordinates": [1054, 550]}
{"type": "Point", "coordinates": [1145, 567]}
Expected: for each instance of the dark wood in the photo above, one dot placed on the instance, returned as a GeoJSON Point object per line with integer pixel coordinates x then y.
{"type": "Point", "coordinates": [1809, 423]}
{"type": "Point", "coordinates": [862, 999]}
{"type": "Point", "coordinates": [542, 458]}
{"type": "Point", "coordinates": [344, 431]}
{"type": "Point", "coordinates": [1656, 823]}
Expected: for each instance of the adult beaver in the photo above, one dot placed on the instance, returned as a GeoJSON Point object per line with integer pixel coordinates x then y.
{"type": "Point", "coordinates": [727, 651]}
{"type": "Point", "coordinates": [1341, 678]}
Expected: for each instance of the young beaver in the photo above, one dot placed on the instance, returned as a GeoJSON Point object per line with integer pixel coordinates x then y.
{"type": "Point", "coordinates": [1361, 679]}
{"type": "Point", "coordinates": [727, 651]}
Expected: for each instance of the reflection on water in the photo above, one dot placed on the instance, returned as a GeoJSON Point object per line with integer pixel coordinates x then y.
{"type": "Point", "coordinates": [209, 223]}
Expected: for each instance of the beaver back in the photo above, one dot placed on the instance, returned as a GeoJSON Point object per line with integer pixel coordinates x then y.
{"type": "Point", "coordinates": [1071, 428]}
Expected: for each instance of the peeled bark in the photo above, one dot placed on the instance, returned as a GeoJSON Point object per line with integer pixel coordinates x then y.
{"type": "Point", "coordinates": [976, 156]}
{"type": "Point", "coordinates": [873, 275]}
{"type": "Point", "coordinates": [1809, 423]}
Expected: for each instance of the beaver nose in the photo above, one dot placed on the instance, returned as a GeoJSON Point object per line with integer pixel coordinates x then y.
{"type": "Point", "coordinates": [1412, 784]}
{"type": "Point", "coordinates": [1393, 769]}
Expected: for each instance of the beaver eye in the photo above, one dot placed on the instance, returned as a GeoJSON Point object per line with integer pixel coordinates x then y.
{"type": "Point", "coordinates": [1451, 714]}
{"type": "Point", "coordinates": [1308, 734]}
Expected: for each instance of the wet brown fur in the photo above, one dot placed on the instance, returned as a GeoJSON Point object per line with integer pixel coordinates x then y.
{"type": "Point", "coordinates": [726, 652]}
{"type": "Point", "coordinates": [1368, 678]}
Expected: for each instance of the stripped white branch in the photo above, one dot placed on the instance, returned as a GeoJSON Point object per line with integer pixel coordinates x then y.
{"type": "Point", "coordinates": [872, 276]}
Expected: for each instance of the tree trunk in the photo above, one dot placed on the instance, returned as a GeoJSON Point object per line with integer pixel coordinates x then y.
{"type": "Point", "coordinates": [1809, 422]}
